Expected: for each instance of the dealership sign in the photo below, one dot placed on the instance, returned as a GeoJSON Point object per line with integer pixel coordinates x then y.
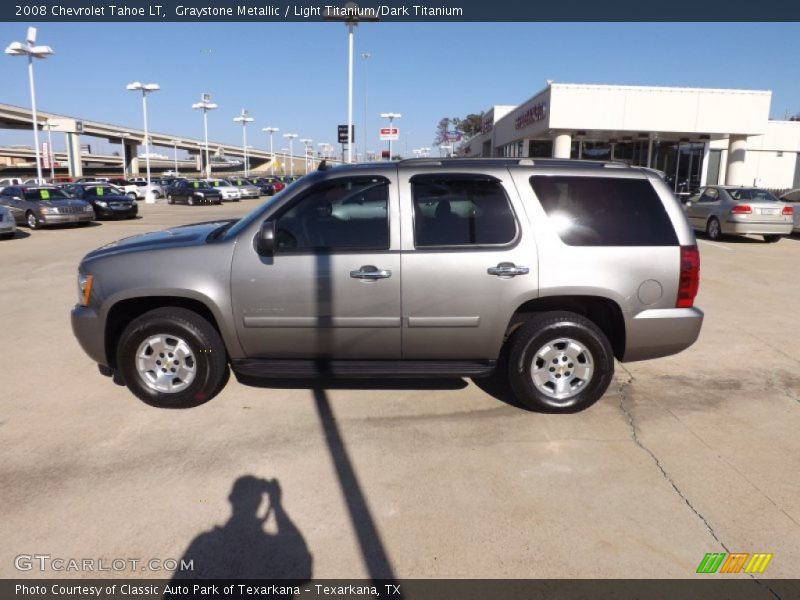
{"type": "Point", "coordinates": [535, 113]}
{"type": "Point", "coordinates": [389, 133]}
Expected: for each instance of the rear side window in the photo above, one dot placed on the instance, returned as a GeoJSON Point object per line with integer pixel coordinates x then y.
{"type": "Point", "coordinates": [461, 210]}
{"type": "Point", "coordinates": [604, 211]}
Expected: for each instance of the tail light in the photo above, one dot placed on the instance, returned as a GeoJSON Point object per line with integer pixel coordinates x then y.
{"type": "Point", "coordinates": [741, 209]}
{"type": "Point", "coordinates": [787, 211]}
{"type": "Point", "coordinates": [689, 280]}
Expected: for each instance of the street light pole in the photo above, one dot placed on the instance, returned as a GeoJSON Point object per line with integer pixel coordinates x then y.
{"type": "Point", "coordinates": [205, 105]}
{"type": "Point", "coordinates": [351, 16]}
{"type": "Point", "coordinates": [291, 137]}
{"type": "Point", "coordinates": [270, 131]}
{"type": "Point", "coordinates": [28, 49]}
{"type": "Point", "coordinates": [244, 118]}
{"type": "Point", "coordinates": [145, 88]}
{"type": "Point", "coordinates": [366, 56]}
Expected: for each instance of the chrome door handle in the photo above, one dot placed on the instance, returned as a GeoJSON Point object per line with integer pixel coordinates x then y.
{"type": "Point", "coordinates": [506, 269]}
{"type": "Point", "coordinates": [370, 272]}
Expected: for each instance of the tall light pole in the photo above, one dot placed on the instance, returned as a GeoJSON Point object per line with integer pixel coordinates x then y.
{"type": "Point", "coordinates": [28, 49]}
{"type": "Point", "coordinates": [123, 135]}
{"type": "Point", "coordinates": [291, 137]}
{"type": "Point", "coordinates": [145, 88]}
{"type": "Point", "coordinates": [205, 105]}
{"type": "Point", "coordinates": [285, 152]}
{"type": "Point", "coordinates": [175, 154]}
{"type": "Point", "coordinates": [366, 56]}
{"type": "Point", "coordinates": [391, 117]}
{"type": "Point", "coordinates": [244, 118]}
{"type": "Point", "coordinates": [349, 14]}
{"type": "Point", "coordinates": [270, 131]}
{"type": "Point", "coordinates": [306, 144]}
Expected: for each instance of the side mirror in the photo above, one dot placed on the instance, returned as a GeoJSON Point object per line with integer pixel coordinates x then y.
{"type": "Point", "coordinates": [265, 240]}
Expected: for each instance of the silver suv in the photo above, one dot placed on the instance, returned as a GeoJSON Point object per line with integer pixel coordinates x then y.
{"type": "Point", "coordinates": [536, 273]}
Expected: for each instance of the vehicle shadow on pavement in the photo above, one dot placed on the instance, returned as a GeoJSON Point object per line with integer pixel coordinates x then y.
{"type": "Point", "coordinates": [19, 234]}
{"type": "Point", "coordinates": [242, 548]}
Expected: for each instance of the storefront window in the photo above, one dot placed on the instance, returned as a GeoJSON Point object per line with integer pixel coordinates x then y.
{"type": "Point", "coordinates": [540, 149]}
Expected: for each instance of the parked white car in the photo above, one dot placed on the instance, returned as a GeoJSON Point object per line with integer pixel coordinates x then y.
{"type": "Point", "coordinates": [8, 225]}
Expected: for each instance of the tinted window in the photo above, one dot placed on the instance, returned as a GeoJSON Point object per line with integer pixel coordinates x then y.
{"type": "Point", "coordinates": [604, 211]}
{"type": "Point", "coordinates": [791, 196]}
{"type": "Point", "coordinates": [710, 195]}
{"type": "Point", "coordinates": [459, 210]}
{"type": "Point", "coordinates": [347, 213]}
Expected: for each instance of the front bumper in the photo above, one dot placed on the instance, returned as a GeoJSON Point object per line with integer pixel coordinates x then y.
{"type": "Point", "coordinates": [114, 213]}
{"type": "Point", "coordinates": [89, 330]}
{"type": "Point", "coordinates": [661, 332]}
{"type": "Point", "coordinates": [64, 219]}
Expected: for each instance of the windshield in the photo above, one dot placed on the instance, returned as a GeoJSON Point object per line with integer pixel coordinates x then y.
{"type": "Point", "coordinates": [752, 195]}
{"type": "Point", "coordinates": [45, 194]}
{"type": "Point", "coordinates": [101, 190]}
{"type": "Point", "coordinates": [200, 185]}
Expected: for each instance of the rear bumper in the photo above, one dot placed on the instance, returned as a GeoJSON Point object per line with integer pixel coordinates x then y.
{"type": "Point", "coordinates": [89, 330]}
{"type": "Point", "coordinates": [758, 228]}
{"type": "Point", "coordinates": [661, 332]}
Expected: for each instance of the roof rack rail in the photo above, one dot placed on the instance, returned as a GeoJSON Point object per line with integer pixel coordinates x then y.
{"type": "Point", "coordinates": [522, 162]}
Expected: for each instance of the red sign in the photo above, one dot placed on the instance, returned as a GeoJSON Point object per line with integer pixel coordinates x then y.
{"type": "Point", "coordinates": [389, 133]}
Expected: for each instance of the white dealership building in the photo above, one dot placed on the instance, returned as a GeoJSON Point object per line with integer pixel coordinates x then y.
{"type": "Point", "coordinates": [696, 136]}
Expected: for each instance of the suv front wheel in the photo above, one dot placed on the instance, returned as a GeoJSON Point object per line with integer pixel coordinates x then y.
{"type": "Point", "coordinates": [559, 362]}
{"type": "Point", "coordinates": [172, 358]}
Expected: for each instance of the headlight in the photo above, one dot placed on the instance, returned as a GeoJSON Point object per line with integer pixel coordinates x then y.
{"type": "Point", "coordinates": [102, 203]}
{"type": "Point", "coordinates": [85, 283]}
{"type": "Point", "coordinates": [48, 210]}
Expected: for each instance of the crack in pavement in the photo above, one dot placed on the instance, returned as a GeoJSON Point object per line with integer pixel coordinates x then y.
{"type": "Point", "coordinates": [638, 442]}
{"type": "Point", "coordinates": [789, 394]}
{"type": "Point", "coordinates": [635, 436]}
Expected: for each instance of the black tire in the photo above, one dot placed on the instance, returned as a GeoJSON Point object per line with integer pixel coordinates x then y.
{"type": "Point", "coordinates": [713, 229]}
{"type": "Point", "coordinates": [547, 327]}
{"type": "Point", "coordinates": [170, 200]}
{"type": "Point", "coordinates": [207, 351]}
{"type": "Point", "coordinates": [772, 238]}
{"type": "Point", "coordinates": [132, 195]}
{"type": "Point", "coordinates": [32, 220]}
{"type": "Point", "coordinates": [190, 201]}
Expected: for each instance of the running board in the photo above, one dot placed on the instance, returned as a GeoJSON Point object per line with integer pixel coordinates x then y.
{"type": "Point", "coordinates": [321, 369]}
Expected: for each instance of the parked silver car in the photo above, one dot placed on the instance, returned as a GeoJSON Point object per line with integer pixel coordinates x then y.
{"type": "Point", "coordinates": [246, 187]}
{"type": "Point", "coordinates": [793, 198]}
{"type": "Point", "coordinates": [228, 192]}
{"type": "Point", "coordinates": [727, 210]}
{"type": "Point", "coordinates": [8, 225]}
{"type": "Point", "coordinates": [40, 206]}
{"type": "Point", "coordinates": [538, 273]}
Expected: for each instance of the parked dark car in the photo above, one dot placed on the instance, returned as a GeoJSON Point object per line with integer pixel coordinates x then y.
{"type": "Point", "coordinates": [192, 192]}
{"type": "Point", "coordinates": [108, 202]}
{"type": "Point", "coordinates": [269, 186]}
{"type": "Point", "coordinates": [38, 206]}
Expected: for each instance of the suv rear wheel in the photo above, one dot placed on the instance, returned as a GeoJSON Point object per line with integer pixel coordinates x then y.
{"type": "Point", "coordinates": [172, 358]}
{"type": "Point", "coordinates": [559, 362]}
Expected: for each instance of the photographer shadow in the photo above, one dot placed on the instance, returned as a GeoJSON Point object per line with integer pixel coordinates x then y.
{"type": "Point", "coordinates": [242, 548]}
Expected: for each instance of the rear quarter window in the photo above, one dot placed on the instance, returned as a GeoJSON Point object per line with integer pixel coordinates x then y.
{"type": "Point", "coordinates": [604, 211]}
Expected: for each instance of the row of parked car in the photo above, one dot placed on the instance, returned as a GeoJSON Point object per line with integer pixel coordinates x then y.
{"type": "Point", "coordinates": [87, 199]}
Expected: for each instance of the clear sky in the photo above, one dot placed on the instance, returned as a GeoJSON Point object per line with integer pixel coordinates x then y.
{"type": "Point", "coordinates": [294, 75]}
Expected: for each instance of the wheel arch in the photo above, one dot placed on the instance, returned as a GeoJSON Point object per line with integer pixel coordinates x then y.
{"type": "Point", "coordinates": [126, 310]}
{"type": "Point", "coordinates": [603, 312]}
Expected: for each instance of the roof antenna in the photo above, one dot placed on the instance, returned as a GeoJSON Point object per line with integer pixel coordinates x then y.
{"type": "Point", "coordinates": [323, 165]}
